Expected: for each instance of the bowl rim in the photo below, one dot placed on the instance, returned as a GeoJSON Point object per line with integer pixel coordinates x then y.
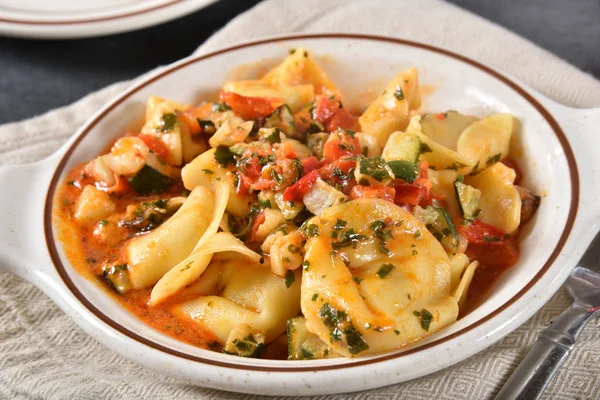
{"type": "Point", "coordinates": [89, 125]}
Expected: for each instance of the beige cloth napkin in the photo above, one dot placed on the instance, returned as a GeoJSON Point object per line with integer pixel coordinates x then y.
{"type": "Point", "coordinates": [43, 354]}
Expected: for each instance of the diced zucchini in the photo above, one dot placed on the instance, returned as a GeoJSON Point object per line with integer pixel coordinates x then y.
{"type": "Point", "coordinates": [442, 227]}
{"type": "Point", "coordinates": [149, 180]}
{"type": "Point", "coordinates": [405, 170]}
{"type": "Point", "coordinates": [232, 131]}
{"type": "Point", "coordinates": [149, 215]}
{"type": "Point", "coordinates": [271, 135]}
{"type": "Point", "coordinates": [321, 196]}
{"type": "Point", "coordinates": [316, 142]}
{"type": "Point", "coordinates": [403, 146]}
{"type": "Point", "coordinates": [282, 119]}
{"type": "Point", "coordinates": [468, 199]}
{"type": "Point", "coordinates": [117, 278]}
{"type": "Point", "coordinates": [244, 342]}
{"type": "Point", "coordinates": [427, 215]}
{"type": "Point", "coordinates": [303, 344]}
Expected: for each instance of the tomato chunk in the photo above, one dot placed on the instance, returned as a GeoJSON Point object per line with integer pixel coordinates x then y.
{"type": "Point", "coordinates": [343, 119]}
{"type": "Point", "coordinates": [479, 232]}
{"type": "Point", "coordinates": [309, 164]}
{"type": "Point", "coordinates": [249, 107]}
{"type": "Point", "coordinates": [299, 189]}
{"type": "Point", "coordinates": [373, 192]}
{"type": "Point", "coordinates": [325, 108]}
{"type": "Point", "coordinates": [410, 194]}
{"type": "Point", "coordinates": [501, 255]}
{"type": "Point", "coordinates": [155, 144]}
{"type": "Point", "coordinates": [340, 144]}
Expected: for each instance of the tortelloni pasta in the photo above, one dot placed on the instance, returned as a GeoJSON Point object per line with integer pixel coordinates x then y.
{"type": "Point", "coordinates": [277, 214]}
{"type": "Point", "coordinates": [359, 299]}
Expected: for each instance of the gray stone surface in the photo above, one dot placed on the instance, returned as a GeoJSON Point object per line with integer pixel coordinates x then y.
{"type": "Point", "coordinates": [39, 75]}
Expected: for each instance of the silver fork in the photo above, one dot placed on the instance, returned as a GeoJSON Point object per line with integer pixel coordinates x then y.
{"type": "Point", "coordinates": [555, 342]}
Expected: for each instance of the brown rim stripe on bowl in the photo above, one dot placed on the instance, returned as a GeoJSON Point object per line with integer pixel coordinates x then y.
{"type": "Point", "coordinates": [574, 177]}
{"type": "Point", "coordinates": [89, 20]}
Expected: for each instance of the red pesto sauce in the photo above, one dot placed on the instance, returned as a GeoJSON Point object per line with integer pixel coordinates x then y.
{"type": "Point", "coordinates": [87, 254]}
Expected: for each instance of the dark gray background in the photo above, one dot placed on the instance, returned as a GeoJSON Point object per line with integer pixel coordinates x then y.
{"type": "Point", "coordinates": [39, 75]}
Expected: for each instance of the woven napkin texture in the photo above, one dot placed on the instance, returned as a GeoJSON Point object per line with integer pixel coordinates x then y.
{"type": "Point", "coordinates": [43, 354]}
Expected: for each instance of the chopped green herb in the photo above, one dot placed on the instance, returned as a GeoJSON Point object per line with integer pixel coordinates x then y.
{"type": "Point", "coordinates": [384, 249]}
{"type": "Point", "coordinates": [357, 280]}
{"type": "Point", "coordinates": [277, 177]}
{"type": "Point", "coordinates": [417, 235]}
{"type": "Point", "coordinates": [375, 167]}
{"type": "Point", "coordinates": [415, 252]}
{"type": "Point", "coordinates": [187, 266]}
{"type": "Point", "coordinates": [274, 137]}
{"type": "Point", "coordinates": [208, 171]}
{"type": "Point", "coordinates": [474, 170]}
{"type": "Point", "coordinates": [338, 173]}
{"type": "Point", "coordinates": [330, 316]}
{"type": "Point", "coordinates": [336, 335]}
{"type": "Point", "coordinates": [305, 265]}
{"type": "Point", "coordinates": [456, 165]}
{"type": "Point", "coordinates": [425, 317]}
{"type": "Point", "coordinates": [355, 342]}
{"type": "Point", "coordinates": [290, 278]}
{"type": "Point", "coordinates": [207, 126]}
{"type": "Point", "coordinates": [385, 270]}
{"type": "Point", "coordinates": [168, 122]}
{"type": "Point", "coordinates": [493, 159]}
{"type": "Point", "coordinates": [292, 248]}
{"type": "Point", "coordinates": [102, 222]}
{"type": "Point", "coordinates": [339, 224]}
{"type": "Point", "coordinates": [396, 331]}
{"type": "Point", "coordinates": [315, 297]}
{"type": "Point", "coordinates": [399, 94]}
{"type": "Point", "coordinates": [425, 148]}
{"type": "Point", "coordinates": [349, 238]}
{"type": "Point", "coordinates": [312, 230]}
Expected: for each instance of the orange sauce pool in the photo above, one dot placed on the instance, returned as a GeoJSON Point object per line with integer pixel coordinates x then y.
{"type": "Point", "coordinates": [87, 254]}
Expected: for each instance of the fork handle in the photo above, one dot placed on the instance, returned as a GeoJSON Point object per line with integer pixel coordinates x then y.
{"type": "Point", "coordinates": [548, 353]}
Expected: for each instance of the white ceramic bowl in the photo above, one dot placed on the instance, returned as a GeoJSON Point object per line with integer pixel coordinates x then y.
{"type": "Point", "coordinates": [558, 160]}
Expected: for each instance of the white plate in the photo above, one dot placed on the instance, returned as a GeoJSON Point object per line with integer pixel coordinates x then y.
{"type": "Point", "coordinates": [558, 160]}
{"type": "Point", "coordinates": [69, 19]}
